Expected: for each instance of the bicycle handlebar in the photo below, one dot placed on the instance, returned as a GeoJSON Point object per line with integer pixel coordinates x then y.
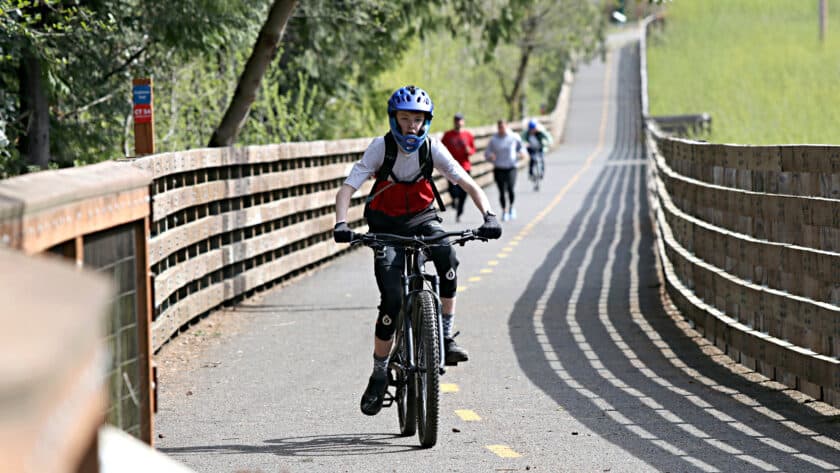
{"type": "Point", "coordinates": [370, 239]}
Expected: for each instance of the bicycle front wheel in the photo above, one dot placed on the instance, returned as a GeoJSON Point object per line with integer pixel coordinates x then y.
{"type": "Point", "coordinates": [427, 356]}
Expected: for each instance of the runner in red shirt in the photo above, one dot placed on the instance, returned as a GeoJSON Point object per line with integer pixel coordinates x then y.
{"type": "Point", "coordinates": [461, 146]}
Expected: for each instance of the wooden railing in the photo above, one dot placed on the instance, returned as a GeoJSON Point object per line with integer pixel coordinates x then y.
{"type": "Point", "coordinates": [52, 365]}
{"type": "Point", "coordinates": [96, 216]}
{"type": "Point", "coordinates": [749, 239]}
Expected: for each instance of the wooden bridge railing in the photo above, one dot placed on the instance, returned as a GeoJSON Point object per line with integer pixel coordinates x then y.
{"type": "Point", "coordinates": [749, 238]}
{"type": "Point", "coordinates": [97, 216]}
{"type": "Point", "coordinates": [52, 365]}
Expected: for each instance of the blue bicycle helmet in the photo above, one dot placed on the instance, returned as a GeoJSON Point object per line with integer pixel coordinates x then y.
{"type": "Point", "coordinates": [410, 99]}
{"type": "Point", "coordinates": [532, 125]}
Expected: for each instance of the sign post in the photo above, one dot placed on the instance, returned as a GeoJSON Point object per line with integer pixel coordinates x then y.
{"type": "Point", "coordinates": [144, 124]}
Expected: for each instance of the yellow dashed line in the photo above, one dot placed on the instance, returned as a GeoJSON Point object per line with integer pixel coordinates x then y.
{"type": "Point", "coordinates": [513, 243]}
{"type": "Point", "coordinates": [502, 255]}
{"type": "Point", "coordinates": [486, 271]}
{"type": "Point", "coordinates": [503, 451]}
{"type": "Point", "coordinates": [461, 289]}
{"type": "Point", "coordinates": [507, 249]}
{"type": "Point", "coordinates": [449, 388]}
{"type": "Point", "coordinates": [492, 263]}
{"type": "Point", "coordinates": [467, 415]}
{"type": "Point", "coordinates": [474, 279]}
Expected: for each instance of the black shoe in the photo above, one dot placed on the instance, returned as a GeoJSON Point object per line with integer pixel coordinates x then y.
{"type": "Point", "coordinates": [453, 353]}
{"type": "Point", "coordinates": [374, 394]}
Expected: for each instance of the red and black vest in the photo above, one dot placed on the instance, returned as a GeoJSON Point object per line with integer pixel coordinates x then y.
{"type": "Point", "coordinates": [399, 201]}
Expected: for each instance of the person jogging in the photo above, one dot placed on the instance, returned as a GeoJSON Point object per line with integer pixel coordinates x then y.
{"type": "Point", "coordinates": [461, 144]}
{"type": "Point", "coordinates": [504, 150]}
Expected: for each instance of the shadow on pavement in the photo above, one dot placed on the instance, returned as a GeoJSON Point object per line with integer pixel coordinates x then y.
{"type": "Point", "coordinates": [310, 446]}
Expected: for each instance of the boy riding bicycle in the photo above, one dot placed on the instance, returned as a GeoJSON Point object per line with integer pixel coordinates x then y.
{"type": "Point", "coordinates": [402, 202]}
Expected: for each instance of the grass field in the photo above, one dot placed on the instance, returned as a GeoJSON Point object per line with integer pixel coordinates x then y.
{"type": "Point", "coordinates": [757, 66]}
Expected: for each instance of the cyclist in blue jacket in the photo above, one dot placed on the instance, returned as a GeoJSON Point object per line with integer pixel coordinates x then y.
{"type": "Point", "coordinates": [403, 202]}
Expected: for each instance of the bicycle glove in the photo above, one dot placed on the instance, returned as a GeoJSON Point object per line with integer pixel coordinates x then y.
{"type": "Point", "coordinates": [342, 233]}
{"type": "Point", "coordinates": [491, 228]}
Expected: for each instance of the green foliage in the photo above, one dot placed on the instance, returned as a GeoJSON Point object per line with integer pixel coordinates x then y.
{"type": "Point", "coordinates": [91, 50]}
{"type": "Point", "coordinates": [757, 67]}
{"type": "Point", "coordinates": [339, 61]}
{"type": "Point", "coordinates": [454, 75]}
{"type": "Point", "coordinates": [468, 73]}
{"type": "Point", "coordinates": [563, 32]}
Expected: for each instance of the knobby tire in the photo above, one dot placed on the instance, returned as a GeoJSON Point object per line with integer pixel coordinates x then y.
{"type": "Point", "coordinates": [427, 356]}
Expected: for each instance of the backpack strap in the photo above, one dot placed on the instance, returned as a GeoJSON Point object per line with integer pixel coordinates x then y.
{"type": "Point", "coordinates": [426, 168]}
{"type": "Point", "coordinates": [387, 168]}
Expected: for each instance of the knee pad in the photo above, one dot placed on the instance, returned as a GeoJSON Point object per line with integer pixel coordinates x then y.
{"type": "Point", "coordinates": [447, 265]}
{"type": "Point", "coordinates": [385, 326]}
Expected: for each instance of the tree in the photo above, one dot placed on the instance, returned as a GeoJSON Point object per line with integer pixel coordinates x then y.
{"type": "Point", "coordinates": [249, 82]}
{"type": "Point", "coordinates": [340, 55]}
{"type": "Point", "coordinates": [554, 32]}
{"type": "Point", "coordinates": [74, 108]}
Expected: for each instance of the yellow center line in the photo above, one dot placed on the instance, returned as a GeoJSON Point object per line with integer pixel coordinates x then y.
{"type": "Point", "coordinates": [502, 255]}
{"type": "Point", "coordinates": [474, 279]}
{"type": "Point", "coordinates": [486, 271]}
{"type": "Point", "coordinates": [467, 415]}
{"type": "Point", "coordinates": [492, 263]}
{"type": "Point", "coordinates": [461, 289]}
{"type": "Point", "coordinates": [503, 451]}
{"type": "Point", "coordinates": [449, 388]}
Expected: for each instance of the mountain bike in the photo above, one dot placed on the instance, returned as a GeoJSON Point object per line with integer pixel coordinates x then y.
{"type": "Point", "coordinates": [417, 358]}
{"type": "Point", "coordinates": [537, 168]}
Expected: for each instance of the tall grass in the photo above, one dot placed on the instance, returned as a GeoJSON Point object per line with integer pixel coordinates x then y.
{"type": "Point", "coordinates": [757, 66]}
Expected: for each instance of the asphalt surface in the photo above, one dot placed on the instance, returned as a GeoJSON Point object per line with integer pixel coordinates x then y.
{"type": "Point", "coordinates": [577, 364]}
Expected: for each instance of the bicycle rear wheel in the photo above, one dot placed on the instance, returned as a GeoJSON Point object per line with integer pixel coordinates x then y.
{"type": "Point", "coordinates": [406, 393]}
{"type": "Point", "coordinates": [427, 356]}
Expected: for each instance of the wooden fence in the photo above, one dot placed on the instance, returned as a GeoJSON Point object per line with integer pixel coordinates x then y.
{"type": "Point", "coordinates": [749, 238]}
{"type": "Point", "coordinates": [96, 216]}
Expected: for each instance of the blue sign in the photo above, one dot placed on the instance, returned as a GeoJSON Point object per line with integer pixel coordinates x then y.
{"type": "Point", "coordinates": [142, 94]}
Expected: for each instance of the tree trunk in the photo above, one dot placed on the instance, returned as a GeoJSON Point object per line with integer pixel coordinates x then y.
{"type": "Point", "coordinates": [518, 82]}
{"type": "Point", "coordinates": [249, 82]}
{"type": "Point", "coordinates": [35, 140]}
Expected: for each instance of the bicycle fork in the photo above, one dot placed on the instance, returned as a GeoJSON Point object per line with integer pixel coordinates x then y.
{"type": "Point", "coordinates": [433, 280]}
